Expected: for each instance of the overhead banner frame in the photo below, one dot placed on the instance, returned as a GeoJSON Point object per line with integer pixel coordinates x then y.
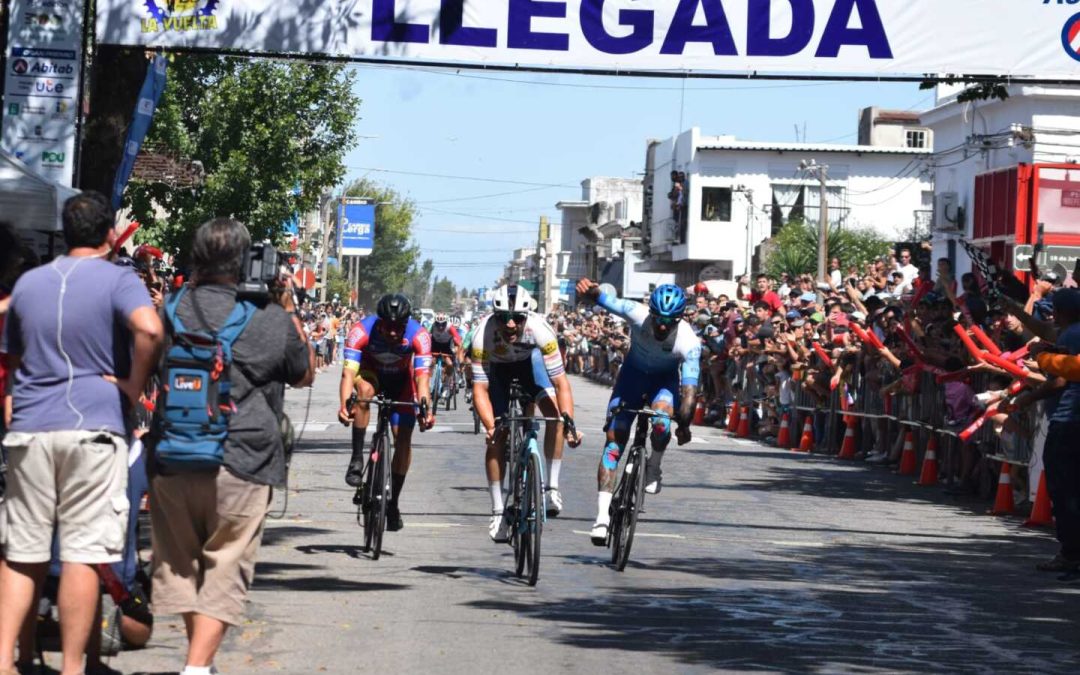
{"type": "Point", "coordinates": [862, 39]}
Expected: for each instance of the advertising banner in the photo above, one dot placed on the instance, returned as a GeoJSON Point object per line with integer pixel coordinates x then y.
{"type": "Point", "coordinates": [41, 87]}
{"type": "Point", "coordinates": [1018, 38]}
{"type": "Point", "coordinates": [356, 228]}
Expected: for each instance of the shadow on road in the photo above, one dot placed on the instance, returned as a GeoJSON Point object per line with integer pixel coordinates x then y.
{"type": "Point", "coordinates": [849, 608]}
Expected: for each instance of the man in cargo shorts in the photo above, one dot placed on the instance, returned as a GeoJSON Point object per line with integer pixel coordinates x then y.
{"type": "Point", "coordinates": [81, 337]}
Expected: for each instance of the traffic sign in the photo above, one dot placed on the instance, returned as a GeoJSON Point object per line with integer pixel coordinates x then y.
{"type": "Point", "coordinates": [1050, 257]}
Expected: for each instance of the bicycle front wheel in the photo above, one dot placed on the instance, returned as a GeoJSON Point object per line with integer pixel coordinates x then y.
{"type": "Point", "coordinates": [634, 499]}
{"type": "Point", "coordinates": [534, 518]}
{"type": "Point", "coordinates": [380, 493]}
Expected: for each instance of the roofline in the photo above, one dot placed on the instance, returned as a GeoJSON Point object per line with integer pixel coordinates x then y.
{"type": "Point", "coordinates": [749, 146]}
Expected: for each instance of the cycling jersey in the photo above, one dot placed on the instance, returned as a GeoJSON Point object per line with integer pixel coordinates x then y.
{"type": "Point", "coordinates": [651, 357]}
{"type": "Point", "coordinates": [367, 349]}
{"type": "Point", "coordinates": [443, 342]}
{"type": "Point", "coordinates": [490, 347]}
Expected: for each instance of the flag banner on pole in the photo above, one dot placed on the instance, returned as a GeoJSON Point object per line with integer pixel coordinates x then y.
{"type": "Point", "coordinates": [149, 95]}
{"type": "Point", "coordinates": [863, 38]}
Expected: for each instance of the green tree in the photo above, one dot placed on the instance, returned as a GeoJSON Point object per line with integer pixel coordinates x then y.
{"type": "Point", "coordinates": [271, 138]}
{"type": "Point", "coordinates": [794, 249]}
{"type": "Point", "coordinates": [393, 260]}
{"type": "Point", "coordinates": [418, 284]}
{"type": "Point", "coordinates": [337, 284]}
{"type": "Point", "coordinates": [443, 295]}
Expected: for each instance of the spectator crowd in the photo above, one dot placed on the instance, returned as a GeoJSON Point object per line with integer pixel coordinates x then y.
{"type": "Point", "coordinates": [966, 382]}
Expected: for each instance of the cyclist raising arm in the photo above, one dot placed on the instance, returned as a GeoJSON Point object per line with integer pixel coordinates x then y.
{"type": "Point", "coordinates": [514, 343]}
{"type": "Point", "coordinates": [391, 353]}
{"type": "Point", "coordinates": [663, 366]}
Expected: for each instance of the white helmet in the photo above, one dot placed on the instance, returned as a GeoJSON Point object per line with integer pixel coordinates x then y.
{"type": "Point", "coordinates": [441, 318]}
{"type": "Point", "coordinates": [512, 298]}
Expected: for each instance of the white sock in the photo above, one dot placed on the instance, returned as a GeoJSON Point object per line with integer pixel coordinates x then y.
{"type": "Point", "coordinates": [553, 473]}
{"type": "Point", "coordinates": [197, 670]}
{"type": "Point", "coordinates": [603, 503]}
{"type": "Point", "coordinates": [495, 487]}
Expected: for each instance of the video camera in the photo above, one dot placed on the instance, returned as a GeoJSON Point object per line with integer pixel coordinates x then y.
{"type": "Point", "coordinates": [262, 269]}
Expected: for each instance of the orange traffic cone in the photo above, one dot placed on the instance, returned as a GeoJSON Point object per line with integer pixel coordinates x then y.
{"type": "Point", "coordinates": [1041, 513]}
{"type": "Point", "coordinates": [1003, 503]}
{"type": "Point", "coordinates": [699, 412]}
{"type": "Point", "coordinates": [783, 439]}
{"type": "Point", "coordinates": [847, 450]}
{"type": "Point", "coordinates": [909, 463]}
{"type": "Point", "coordinates": [744, 423]}
{"type": "Point", "coordinates": [806, 443]}
{"type": "Point", "coordinates": [929, 463]}
{"type": "Point", "coordinates": [733, 418]}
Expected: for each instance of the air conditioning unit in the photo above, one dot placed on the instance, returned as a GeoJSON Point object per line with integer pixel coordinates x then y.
{"type": "Point", "coordinates": [948, 214]}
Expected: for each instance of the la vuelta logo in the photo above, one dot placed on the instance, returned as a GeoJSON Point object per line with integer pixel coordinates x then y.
{"type": "Point", "coordinates": [180, 15]}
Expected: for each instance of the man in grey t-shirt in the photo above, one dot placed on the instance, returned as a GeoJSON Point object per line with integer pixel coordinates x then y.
{"type": "Point", "coordinates": [81, 338]}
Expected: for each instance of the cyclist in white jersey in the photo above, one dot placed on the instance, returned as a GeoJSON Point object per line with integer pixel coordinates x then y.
{"type": "Point", "coordinates": [515, 343]}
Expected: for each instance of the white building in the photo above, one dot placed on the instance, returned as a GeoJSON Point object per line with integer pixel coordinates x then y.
{"type": "Point", "coordinates": [1003, 167]}
{"type": "Point", "coordinates": [599, 237]}
{"type": "Point", "coordinates": [522, 267]}
{"type": "Point", "coordinates": [738, 194]}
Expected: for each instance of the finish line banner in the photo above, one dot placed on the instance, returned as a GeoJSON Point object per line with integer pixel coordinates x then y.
{"type": "Point", "coordinates": [1018, 38]}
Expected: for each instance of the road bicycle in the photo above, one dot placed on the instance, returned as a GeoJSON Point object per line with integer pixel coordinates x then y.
{"type": "Point", "coordinates": [526, 505]}
{"type": "Point", "coordinates": [373, 496]}
{"type": "Point", "coordinates": [628, 501]}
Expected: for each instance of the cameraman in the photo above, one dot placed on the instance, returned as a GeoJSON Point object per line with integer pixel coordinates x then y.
{"type": "Point", "coordinates": [207, 526]}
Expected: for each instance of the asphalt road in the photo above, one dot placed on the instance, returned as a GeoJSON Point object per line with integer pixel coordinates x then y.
{"type": "Point", "coordinates": [751, 559]}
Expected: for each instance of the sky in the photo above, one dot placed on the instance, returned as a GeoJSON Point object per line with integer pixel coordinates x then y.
{"type": "Point", "coordinates": [485, 154]}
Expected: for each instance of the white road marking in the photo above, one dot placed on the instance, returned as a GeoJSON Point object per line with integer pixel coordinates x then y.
{"type": "Point", "coordinates": [799, 544]}
{"type": "Point", "coordinates": [311, 426]}
{"type": "Point", "coordinates": [642, 534]}
{"type": "Point", "coordinates": [436, 526]}
{"type": "Point", "coordinates": [282, 523]}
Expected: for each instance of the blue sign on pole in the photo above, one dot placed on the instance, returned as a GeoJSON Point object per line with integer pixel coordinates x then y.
{"type": "Point", "coordinates": [356, 228]}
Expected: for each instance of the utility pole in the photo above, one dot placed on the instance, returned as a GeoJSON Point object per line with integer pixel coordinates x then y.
{"type": "Point", "coordinates": [822, 173]}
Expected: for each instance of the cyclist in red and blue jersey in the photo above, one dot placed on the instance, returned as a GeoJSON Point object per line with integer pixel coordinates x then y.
{"type": "Point", "coordinates": [391, 353]}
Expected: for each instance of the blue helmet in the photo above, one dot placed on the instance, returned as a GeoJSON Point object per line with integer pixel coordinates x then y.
{"type": "Point", "coordinates": [668, 301]}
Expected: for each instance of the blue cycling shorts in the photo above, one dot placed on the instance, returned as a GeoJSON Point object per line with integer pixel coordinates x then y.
{"type": "Point", "coordinates": [636, 388]}
{"type": "Point", "coordinates": [531, 374]}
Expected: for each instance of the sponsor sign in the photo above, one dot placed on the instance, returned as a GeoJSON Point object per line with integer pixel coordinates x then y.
{"type": "Point", "coordinates": [356, 228]}
{"type": "Point", "coordinates": [44, 67]}
{"type": "Point", "coordinates": [1070, 199]}
{"type": "Point", "coordinates": [855, 37]}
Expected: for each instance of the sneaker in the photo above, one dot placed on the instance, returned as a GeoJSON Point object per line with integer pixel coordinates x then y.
{"type": "Point", "coordinates": [877, 458]}
{"type": "Point", "coordinates": [1059, 563]}
{"type": "Point", "coordinates": [554, 502]}
{"type": "Point", "coordinates": [393, 518]}
{"type": "Point", "coordinates": [499, 529]}
{"type": "Point", "coordinates": [652, 478]}
{"type": "Point", "coordinates": [599, 534]}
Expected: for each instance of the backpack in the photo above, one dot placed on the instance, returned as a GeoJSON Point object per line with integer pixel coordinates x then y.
{"type": "Point", "coordinates": [193, 411]}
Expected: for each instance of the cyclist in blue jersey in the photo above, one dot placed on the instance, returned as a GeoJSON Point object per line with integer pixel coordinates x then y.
{"type": "Point", "coordinates": [662, 367]}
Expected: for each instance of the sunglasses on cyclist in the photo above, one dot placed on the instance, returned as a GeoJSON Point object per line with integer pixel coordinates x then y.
{"type": "Point", "coordinates": [397, 327]}
{"type": "Point", "coordinates": [666, 320]}
{"type": "Point", "coordinates": [505, 317]}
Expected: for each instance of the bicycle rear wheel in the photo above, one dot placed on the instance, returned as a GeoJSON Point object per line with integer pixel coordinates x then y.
{"type": "Point", "coordinates": [634, 498]}
{"type": "Point", "coordinates": [380, 493]}
{"type": "Point", "coordinates": [534, 518]}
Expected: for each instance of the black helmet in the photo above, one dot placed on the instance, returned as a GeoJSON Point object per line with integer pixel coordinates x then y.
{"type": "Point", "coordinates": [394, 308]}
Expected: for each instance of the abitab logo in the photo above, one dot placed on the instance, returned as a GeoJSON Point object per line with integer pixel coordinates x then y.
{"type": "Point", "coordinates": [1070, 37]}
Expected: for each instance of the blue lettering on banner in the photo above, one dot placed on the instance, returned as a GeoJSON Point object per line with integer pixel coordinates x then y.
{"type": "Point", "coordinates": [452, 30]}
{"type": "Point", "coordinates": [385, 26]}
{"type": "Point", "coordinates": [520, 35]}
{"type": "Point", "coordinates": [716, 30]}
{"type": "Point", "coordinates": [868, 30]}
{"type": "Point", "coordinates": [592, 25]}
{"type": "Point", "coordinates": [759, 39]}
{"type": "Point", "coordinates": [839, 33]}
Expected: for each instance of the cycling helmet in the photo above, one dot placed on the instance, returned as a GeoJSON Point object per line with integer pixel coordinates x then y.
{"type": "Point", "coordinates": [668, 301]}
{"type": "Point", "coordinates": [441, 319]}
{"type": "Point", "coordinates": [394, 308]}
{"type": "Point", "coordinates": [512, 298]}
